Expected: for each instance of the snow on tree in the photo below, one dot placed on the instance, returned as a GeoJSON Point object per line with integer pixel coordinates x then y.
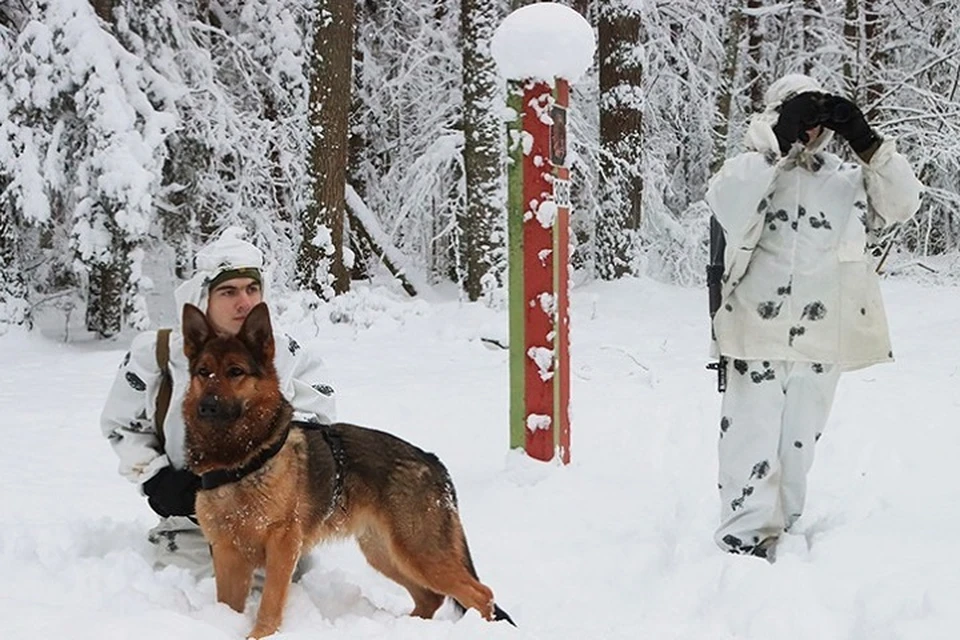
{"type": "Point", "coordinates": [481, 223]}
{"type": "Point", "coordinates": [89, 120]}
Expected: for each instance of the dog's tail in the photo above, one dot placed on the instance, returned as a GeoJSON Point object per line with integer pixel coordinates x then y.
{"type": "Point", "coordinates": [498, 613]}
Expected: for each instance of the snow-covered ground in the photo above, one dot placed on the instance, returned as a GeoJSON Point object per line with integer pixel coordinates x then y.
{"type": "Point", "coordinates": [616, 545]}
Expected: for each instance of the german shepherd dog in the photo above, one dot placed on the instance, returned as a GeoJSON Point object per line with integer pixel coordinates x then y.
{"type": "Point", "coordinates": [274, 488]}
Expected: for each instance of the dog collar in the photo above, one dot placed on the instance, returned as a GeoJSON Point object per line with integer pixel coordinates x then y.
{"type": "Point", "coordinates": [220, 477]}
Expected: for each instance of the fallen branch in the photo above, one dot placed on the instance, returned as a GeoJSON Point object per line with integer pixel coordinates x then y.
{"type": "Point", "coordinates": [365, 223]}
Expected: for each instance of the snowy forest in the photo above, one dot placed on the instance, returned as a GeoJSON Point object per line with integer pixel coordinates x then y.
{"type": "Point", "coordinates": [354, 137]}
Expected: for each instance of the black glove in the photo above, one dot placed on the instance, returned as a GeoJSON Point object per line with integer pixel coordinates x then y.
{"type": "Point", "coordinates": [172, 492]}
{"type": "Point", "coordinates": [846, 118]}
{"type": "Point", "coordinates": [797, 114]}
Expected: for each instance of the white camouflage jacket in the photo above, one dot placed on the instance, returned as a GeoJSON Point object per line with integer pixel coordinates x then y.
{"type": "Point", "coordinates": [798, 284]}
{"type": "Point", "coordinates": [127, 419]}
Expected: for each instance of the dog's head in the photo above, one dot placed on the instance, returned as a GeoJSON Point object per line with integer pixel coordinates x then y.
{"type": "Point", "coordinates": [234, 393]}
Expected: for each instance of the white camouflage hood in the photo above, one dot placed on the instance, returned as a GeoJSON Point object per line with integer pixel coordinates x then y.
{"type": "Point", "coordinates": [760, 136]}
{"type": "Point", "coordinates": [226, 253]}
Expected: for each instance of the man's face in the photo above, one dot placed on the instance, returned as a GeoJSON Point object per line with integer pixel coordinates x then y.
{"type": "Point", "coordinates": [230, 302]}
{"type": "Point", "coordinates": [813, 134]}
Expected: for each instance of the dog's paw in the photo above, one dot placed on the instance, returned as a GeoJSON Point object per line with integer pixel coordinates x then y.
{"type": "Point", "coordinates": [261, 631]}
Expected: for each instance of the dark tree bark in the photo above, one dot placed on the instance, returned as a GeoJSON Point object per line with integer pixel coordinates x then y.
{"type": "Point", "coordinates": [582, 7]}
{"type": "Point", "coordinates": [13, 289]}
{"type": "Point", "coordinates": [812, 15]}
{"type": "Point", "coordinates": [108, 286]}
{"type": "Point", "coordinates": [104, 9]}
{"type": "Point", "coordinates": [621, 140]}
{"type": "Point", "coordinates": [328, 115]}
{"type": "Point", "coordinates": [724, 109]}
{"type": "Point", "coordinates": [105, 299]}
{"type": "Point", "coordinates": [483, 138]}
{"type": "Point", "coordinates": [851, 37]}
{"type": "Point", "coordinates": [754, 74]}
{"type": "Point", "coordinates": [875, 39]}
{"type": "Point", "coordinates": [359, 144]}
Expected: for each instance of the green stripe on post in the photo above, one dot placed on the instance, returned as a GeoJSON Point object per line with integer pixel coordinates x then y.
{"type": "Point", "coordinates": [516, 297]}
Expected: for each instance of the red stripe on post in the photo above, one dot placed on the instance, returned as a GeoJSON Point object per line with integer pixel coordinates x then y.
{"type": "Point", "coordinates": [538, 274]}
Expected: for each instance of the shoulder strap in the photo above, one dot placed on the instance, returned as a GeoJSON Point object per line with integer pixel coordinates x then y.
{"type": "Point", "coordinates": [166, 382]}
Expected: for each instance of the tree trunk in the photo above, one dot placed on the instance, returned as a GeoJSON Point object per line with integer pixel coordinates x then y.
{"type": "Point", "coordinates": [754, 70]}
{"type": "Point", "coordinates": [13, 290]}
{"type": "Point", "coordinates": [483, 138]}
{"type": "Point", "coordinates": [104, 9]}
{"type": "Point", "coordinates": [582, 7]}
{"type": "Point", "coordinates": [106, 285]}
{"type": "Point", "coordinates": [320, 265]}
{"type": "Point", "coordinates": [725, 90]}
{"type": "Point", "coordinates": [875, 38]}
{"type": "Point", "coordinates": [358, 145]}
{"type": "Point", "coordinates": [851, 37]}
{"type": "Point", "coordinates": [812, 15]}
{"type": "Point", "coordinates": [621, 137]}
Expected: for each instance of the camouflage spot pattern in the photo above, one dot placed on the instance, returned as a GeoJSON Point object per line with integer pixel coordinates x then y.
{"type": "Point", "coordinates": [758, 377]}
{"type": "Point", "coordinates": [814, 311]}
{"type": "Point", "coordinates": [821, 222]}
{"type": "Point", "coordinates": [292, 346]}
{"type": "Point", "coordinates": [737, 546]}
{"type": "Point", "coordinates": [760, 470]}
{"type": "Point", "coordinates": [796, 331]}
{"type": "Point", "coordinates": [737, 503]}
{"type": "Point", "coordinates": [768, 310]}
{"type": "Point", "coordinates": [772, 217]}
{"type": "Point", "coordinates": [135, 382]}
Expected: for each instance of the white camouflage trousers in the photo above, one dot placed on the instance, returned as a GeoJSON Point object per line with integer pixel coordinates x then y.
{"type": "Point", "coordinates": [180, 542]}
{"type": "Point", "coordinates": [772, 415]}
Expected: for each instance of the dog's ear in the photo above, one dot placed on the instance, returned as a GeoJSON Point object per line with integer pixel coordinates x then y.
{"type": "Point", "coordinates": [257, 333]}
{"type": "Point", "coordinates": [196, 330]}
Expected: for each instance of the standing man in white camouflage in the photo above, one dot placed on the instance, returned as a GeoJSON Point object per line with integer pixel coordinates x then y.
{"type": "Point", "coordinates": [800, 296]}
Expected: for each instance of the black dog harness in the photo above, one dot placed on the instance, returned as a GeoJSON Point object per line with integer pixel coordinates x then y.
{"type": "Point", "coordinates": [214, 479]}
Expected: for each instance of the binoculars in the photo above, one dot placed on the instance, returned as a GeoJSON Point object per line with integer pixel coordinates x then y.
{"type": "Point", "coordinates": [827, 109]}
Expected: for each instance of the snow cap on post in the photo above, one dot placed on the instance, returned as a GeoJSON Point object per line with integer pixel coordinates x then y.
{"type": "Point", "coordinates": [543, 41]}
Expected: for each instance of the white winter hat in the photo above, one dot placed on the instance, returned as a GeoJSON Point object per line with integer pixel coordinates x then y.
{"type": "Point", "coordinates": [228, 252]}
{"type": "Point", "coordinates": [788, 86]}
{"type": "Point", "coordinates": [229, 256]}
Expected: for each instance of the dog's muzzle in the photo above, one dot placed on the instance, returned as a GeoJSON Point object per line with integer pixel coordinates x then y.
{"type": "Point", "coordinates": [212, 408]}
